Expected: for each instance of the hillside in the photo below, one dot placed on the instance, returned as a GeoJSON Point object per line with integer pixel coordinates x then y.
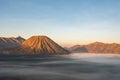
{"type": "Point", "coordinates": [10, 42]}
{"type": "Point", "coordinates": [97, 47]}
{"type": "Point", "coordinates": [41, 45]}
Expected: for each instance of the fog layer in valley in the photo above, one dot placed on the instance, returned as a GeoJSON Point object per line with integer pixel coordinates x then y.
{"type": "Point", "coordinates": [76, 66]}
{"type": "Point", "coordinates": [96, 58]}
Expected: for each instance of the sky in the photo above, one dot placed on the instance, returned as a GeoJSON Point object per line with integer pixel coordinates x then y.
{"type": "Point", "coordinates": [67, 22]}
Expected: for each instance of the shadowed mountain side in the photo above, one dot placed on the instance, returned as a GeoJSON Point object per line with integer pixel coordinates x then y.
{"type": "Point", "coordinates": [7, 44]}
{"type": "Point", "coordinates": [20, 39]}
{"type": "Point", "coordinates": [78, 48]}
{"type": "Point", "coordinates": [97, 47]}
{"type": "Point", "coordinates": [10, 42]}
{"type": "Point", "coordinates": [40, 45]}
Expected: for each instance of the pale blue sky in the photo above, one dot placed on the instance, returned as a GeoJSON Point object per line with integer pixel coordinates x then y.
{"type": "Point", "coordinates": [68, 22]}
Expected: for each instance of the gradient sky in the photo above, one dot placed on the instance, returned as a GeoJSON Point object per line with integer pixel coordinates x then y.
{"type": "Point", "coordinates": [67, 22]}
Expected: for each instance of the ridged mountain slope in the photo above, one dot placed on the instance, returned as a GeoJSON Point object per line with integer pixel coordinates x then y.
{"type": "Point", "coordinates": [42, 45]}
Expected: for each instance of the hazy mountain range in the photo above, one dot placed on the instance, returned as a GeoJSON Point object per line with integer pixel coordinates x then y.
{"type": "Point", "coordinates": [97, 47]}
{"type": "Point", "coordinates": [42, 45]}
{"type": "Point", "coordinates": [38, 45]}
{"type": "Point", "coordinates": [10, 42]}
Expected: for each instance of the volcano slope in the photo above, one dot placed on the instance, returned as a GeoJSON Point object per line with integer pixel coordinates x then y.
{"type": "Point", "coordinates": [41, 45]}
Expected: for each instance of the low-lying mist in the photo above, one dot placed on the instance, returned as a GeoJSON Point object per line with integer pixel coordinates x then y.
{"type": "Point", "coordinates": [76, 66]}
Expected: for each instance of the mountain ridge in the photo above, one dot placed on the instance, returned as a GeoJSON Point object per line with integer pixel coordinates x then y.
{"type": "Point", "coordinates": [97, 47]}
{"type": "Point", "coordinates": [44, 45]}
{"type": "Point", "coordinates": [10, 42]}
{"type": "Point", "coordinates": [37, 45]}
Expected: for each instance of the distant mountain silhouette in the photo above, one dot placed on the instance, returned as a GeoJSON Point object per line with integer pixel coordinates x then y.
{"type": "Point", "coordinates": [78, 48]}
{"type": "Point", "coordinates": [97, 47]}
{"type": "Point", "coordinates": [20, 39]}
{"type": "Point", "coordinates": [41, 45]}
{"type": "Point", "coordinates": [7, 44]}
{"type": "Point", "coordinates": [10, 42]}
